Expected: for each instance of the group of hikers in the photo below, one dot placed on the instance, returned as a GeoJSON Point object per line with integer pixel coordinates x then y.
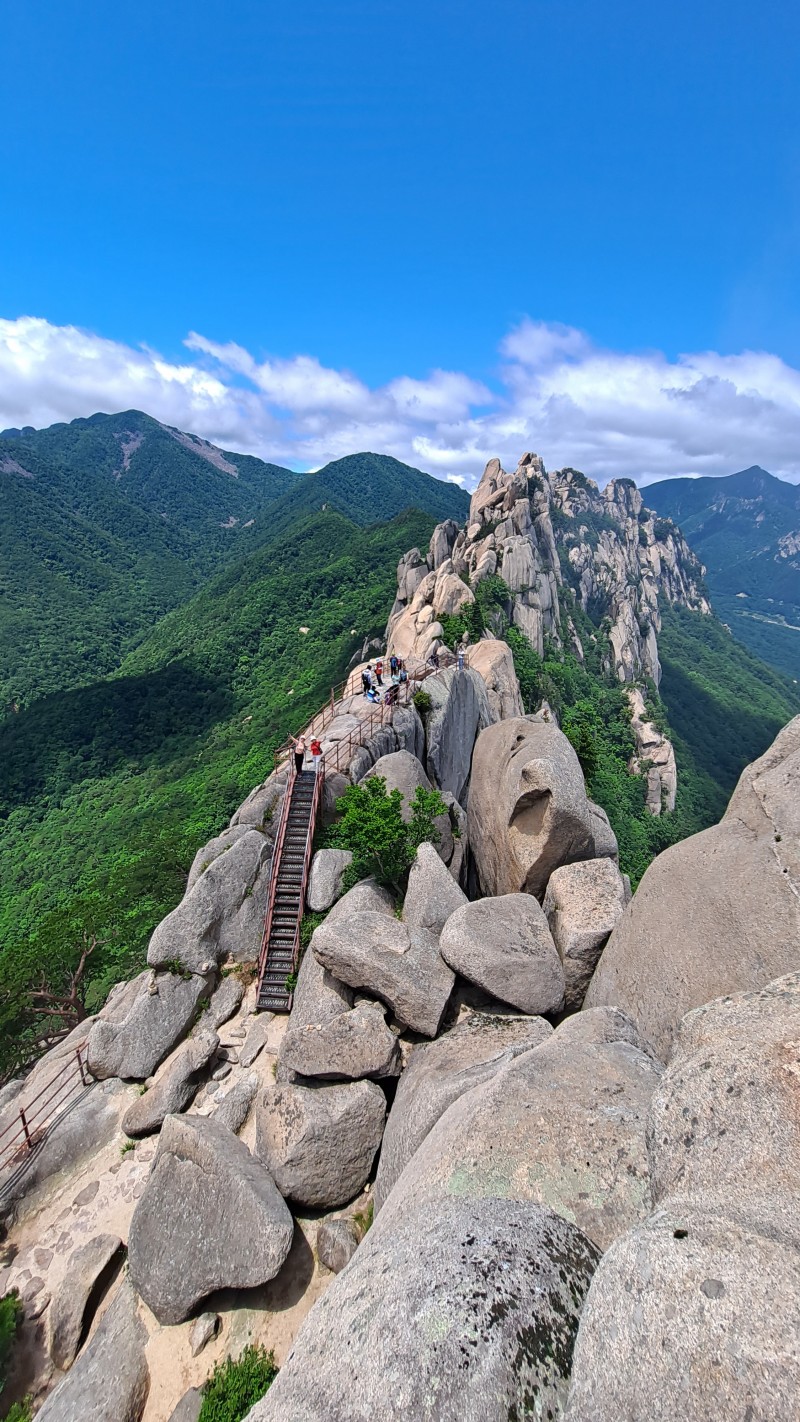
{"type": "Point", "coordinates": [372, 679]}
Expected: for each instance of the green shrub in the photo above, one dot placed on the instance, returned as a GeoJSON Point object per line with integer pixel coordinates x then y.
{"type": "Point", "coordinates": [11, 1316]}
{"type": "Point", "coordinates": [372, 827]}
{"type": "Point", "coordinates": [423, 702]}
{"type": "Point", "coordinates": [21, 1411]}
{"type": "Point", "coordinates": [235, 1385]}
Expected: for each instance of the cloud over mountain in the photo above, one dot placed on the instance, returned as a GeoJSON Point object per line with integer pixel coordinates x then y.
{"type": "Point", "coordinates": [553, 390]}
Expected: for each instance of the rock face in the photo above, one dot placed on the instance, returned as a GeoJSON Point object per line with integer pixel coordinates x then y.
{"type": "Point", "coordinates": [325, 879]}
{"type": "Point", "coordinates": [504, 945]}
{"type": "Point", "coordinates": [582, 904]}
{"type": "Point", "coordinates": [605, 840]}
{"type": "Point", "coordinates": [354, 1044]}
{"type": "Point", "coordinates": [479, 1306]}
{"type": "Point", "coordinates": [734, 1078]}
{"type": "Point", "coordinates": [224, 1002]}
{"type": "Point", "coordinates": [211, 851]}
{"type": "Point", "coordinates": [110, 1381]}
{"type": "Point", "coordinates": [66, 1319]}
{"type": "Point", "coordinates": [319, 1142]}
{"type": "Point", "coordinates": [210, 1218]}
{"type": "Point", "coordinates": [537, 531]}
{"type": "Point", "coordinates": [690, 1316]}
{"type": "Point", "coordinates": [400, 966]}
{"type": "Point", "coordinates": [719, 912]}
{"type": "Point", "coordinates": [439, 1072]}
{"type": "Point", "coordinates": [405, 773]}
{"type": "Point", "coordinates": [174, 1087]}
{"type": "Point", "coordinates": [337, 1242]}
{"type": "Point", "coordinates": [139, 1027]}
{"type": "Point", "coordinates": [655, 748]}
{"type": "Point", "coordinates": [460, 710]}
{"type": "Point", "coordinates": [222, 915]}
{"type": "Point", "coordinates": [432, 894]}
{"type": "Point", "coordinates": [561, 1125]}
{"type": "Point", "coordinates": [233, 1107]}
{"type": "Point", "coordinates": [528, 812]}
{"type": "Point", "coordinates": [494, 662]}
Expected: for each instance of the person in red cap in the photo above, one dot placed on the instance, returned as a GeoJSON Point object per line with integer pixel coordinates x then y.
{"type": "Point", "coordinates": [316, 754]}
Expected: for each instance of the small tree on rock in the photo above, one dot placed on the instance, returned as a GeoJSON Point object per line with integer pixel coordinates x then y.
{"type": "Point", "coordinates": [381, 842]}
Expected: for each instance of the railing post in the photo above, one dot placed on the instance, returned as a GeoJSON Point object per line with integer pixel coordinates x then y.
{"type": "Point", "coordinates": [25, 1129]}
{"type": "Point", "coordinates": [80, 1066]}
{"type": "Point", "coordinates": [333, 699]}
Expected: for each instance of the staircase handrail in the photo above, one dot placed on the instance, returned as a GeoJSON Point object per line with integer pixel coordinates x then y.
{"type": "Point", "coordinates": [273, 881]}
{"type": "Point", "coordinates": [319, 785]}
{"type": "Point", "coordinates": [30, 1122]}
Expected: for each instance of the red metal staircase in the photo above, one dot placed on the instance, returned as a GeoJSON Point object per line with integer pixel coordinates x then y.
{"type": "Point", "coordinates": [290, 864]}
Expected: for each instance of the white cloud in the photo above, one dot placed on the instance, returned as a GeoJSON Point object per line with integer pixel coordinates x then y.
{"type": "Point", "coordinates": [606, 412]}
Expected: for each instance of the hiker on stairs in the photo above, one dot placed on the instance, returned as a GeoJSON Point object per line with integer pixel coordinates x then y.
{"type": "Point", "coordinates": [316, 754]}
{"type": "Point", "coordinates": [299, 743]}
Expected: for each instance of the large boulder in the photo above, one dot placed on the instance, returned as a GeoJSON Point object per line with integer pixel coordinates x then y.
{"type": "Point", "coordinates": [222, 915]}
{"type": "Point", "coordinates": [408, 728]}
{"type": "Point", "coordinates": [224, 1002]}
{"type": "Point", "coordinates": [718, 913]}
{"type": "Point", "coordinates": [439, 1072]}
{"type": "Point", "coordinates": [352, 1045]}
{"type": "Point", "coordinates": [111, 1380]}
{"type": "Point", "coordinates": [328, 869]}
{"type": "Point", "coordinates": [493, 660]}
{"type": "Point", "coordinates": [401, 966]}
{"type": "Point", "coordinates": [211, 851]}
{"type": "Point", "coordinates": [138, 1029]}
{"type": "Point", "coordinates": [337, 1242]}
{"type": "Point", "coordinates": [724, 1123]}
{"type": "Point", "coordinates": [690, 1316]}
{"type": "Point", "coordinates": [67, 1316]}
{"type": "Point", "coordinates": [175, 1086]}
{"type": "Point", "coordinates": [210, 1218]}
{"type": "Point", "coordinates": [528, 812]}
{"type": "Point", "coordinates": [465, 1313]}
{"type": "Point", "coordinates": [319, 1142]}
{"type": "Point", "coordinates": [605, 840]}
{"type": "Point", "coordinates": [562, 1125]}
{"type": "Point", "coordinates": [504, 946]}
{"type": "Point", "coordinates": [432, 894]}
{"type": "Point", "coordinates": [402, 771]}
{"type": "Point", "coordinates": [261, 809]}
{"type": "Point", "coordinates": [318, 997]}
{"type": "Point", "coordinates": [460, 709]}
{"type": "Point", "coordinates": [582, 904]}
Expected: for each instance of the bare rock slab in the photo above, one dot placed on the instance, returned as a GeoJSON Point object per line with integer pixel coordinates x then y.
{"type": "Point", "coordinates": [439, 1072]}
{"type": "Point", "coordinates": [143, 1026]}
{"type": "Point", "coordinates": [466, 1313]}
{"type": "Point", "coordinates": [174, 1087]}
{"type": "Point", "coordinates": [432, 894]}
{"type": "Point", "coordinates": [690, 1316]}
{"type": "Point", "coordinates": [67, 1319]}
{"type": "Point", "coordinates": [189, 1407]}
{"type": "Point", "coordinates": [222, 914]}
{"type": "Point", "coordinates": [224, 1002]}
{"type": "Point", "coordinates": [328, 868]}
{"type": "Point", "coordinates": [528, 812]}
{"type": "Point", "coordinates": [210, 1218]}
{"type": "Point", "coordinates": [353, 1045]}
{"type": "Point", "coordinates": [504, 946]}
{"type": "Point", "coordinates": [233, 1106]}
{"type": "Point", "coordinates": [400, 966]}
{"type": "Point", "coordinates": [110, 1380]}
{"type": "Point", "coordinates": [319, 1142]}
{"type": "Point", "coordinates": [583, 903]}
{"type": "Point", "coordinates": [337, 1242]}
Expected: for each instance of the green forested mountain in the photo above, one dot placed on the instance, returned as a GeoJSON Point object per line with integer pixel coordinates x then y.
{"type": "Point", "coordinates": [107, 790]}
{"type": "Point", "coordinates": [746, 529]}
{"type": "Point", "coordinates": [108, 523]}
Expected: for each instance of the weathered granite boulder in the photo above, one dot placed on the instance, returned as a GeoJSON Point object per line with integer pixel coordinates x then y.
{"type": "Point", "coordinates": [494, 662]}
{"type": "Point", "coordinates": [232, 1107]}
{"type": "Point", "coordinates": [601, 1024]}
{"type": "Point", "coordinates": [224, 1002]}
{"type": "Point", "coordinates": [467, 1312]}
{"type": "Point", "coordinates": [337, 1242]}
{"type": "Point", "coordinates": [719, 912]}
{"type": "Point", "coordinates": [211, 851]}
{"type": "Point", "coordinates": [432, 893]}
{"type": "Point", "coordinates": [690, 1316]}
{"type": "Point", "coordinates": [135, 1032]}
{"type": "Point", "coordinates": [605, 840]}
{"type": "Point", "coordinates": [175, 1085]}
{"type": "Point", "coordinates": [439, 1072]}
{"type": "Point", "coordinates": [67, 1319]}
{"type": "Point", "coordinates": [402, 771]}
{"type": "Point", "coordinates": [204, 1328]}
{"type": "Point", "coordinates": [258, 1036]}
{"type": "Point", "coordinates": [325, 879]}
{"type": "Point", "coordinates": [410, 732]}
{"type": "Point", "coordinates": [460, 710]}
{"type": "Point", "coordinates": [528, 812]}
{"type": "Point", "coordinates": [110, 1380]}
{"type": "Point", "coordinates": [562, 1124]}
{"type": "Point", "coordinates": [352, 1045]}
{"type": "Point", "coordinates": [319, 1142]}
{"type": "Point", "coordinates": [582, 904]}
{"type": "Point", "coordinates": [724, 1123]}
{"type": "Point", "coordinates": [367, 896]}
{"type": "Point", "coordinates": [400, 966]}
{"type": "Point", "coordinates": [210, 1218]}
{"type": "Point", "coordinates": [222, 915]}
{"type": "Point", "coordinates": [382, 742]}
{"type": "Point", "coordinates": [504, 945]}
{"type": "Point", "coordinates": [261, 809]}
{"type": "Point", "coordinates": [189, 1407]}
{"type": "Point", "coordinates": [318, 997]}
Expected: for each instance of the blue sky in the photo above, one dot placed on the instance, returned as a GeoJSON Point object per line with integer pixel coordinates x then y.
{"type": "Point", "coordinates": [394, 189]}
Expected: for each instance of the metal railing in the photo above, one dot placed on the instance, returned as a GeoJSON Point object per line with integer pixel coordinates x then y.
{"type": "Point", "coordinates": [31, 1122]}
